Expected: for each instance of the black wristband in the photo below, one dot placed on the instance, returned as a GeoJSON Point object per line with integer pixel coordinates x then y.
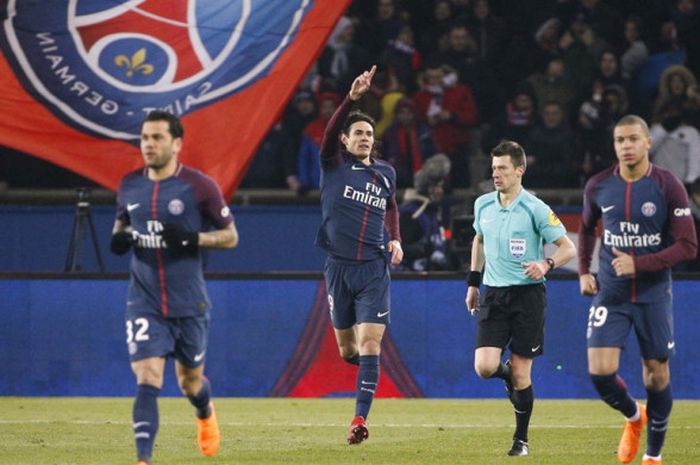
{"type": "Point", "coordinates": [550, 262]}
{"type": "Point", "coordinates": [474, 279]}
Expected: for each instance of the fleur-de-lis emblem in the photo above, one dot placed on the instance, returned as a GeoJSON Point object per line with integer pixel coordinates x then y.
{"type": "Point", "coordinates": [135, 63]}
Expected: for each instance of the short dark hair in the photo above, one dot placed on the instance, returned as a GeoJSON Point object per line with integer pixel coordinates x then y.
{"type": "Point", "coordinates": [634, 120]}
{"type": "Point", "coordinates": [512, 149]}
{"type": "Point", "coordinates": [356, 116]}
{"type": "Point", "coordinates": [174, 124]}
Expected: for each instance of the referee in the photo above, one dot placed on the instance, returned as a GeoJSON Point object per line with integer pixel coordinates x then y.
{"type": "Point", "coordinates": [511, 227]}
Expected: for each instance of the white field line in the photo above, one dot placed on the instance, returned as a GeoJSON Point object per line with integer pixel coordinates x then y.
{"type": "Point", "coordinates": [332, 425]}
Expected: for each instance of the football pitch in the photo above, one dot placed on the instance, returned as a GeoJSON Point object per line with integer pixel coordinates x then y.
{"type": "Point", "coordinates": [76, 431]}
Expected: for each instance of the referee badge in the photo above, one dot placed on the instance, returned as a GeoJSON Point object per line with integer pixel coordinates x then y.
{"type": "Point", "coordinates": [553, 219]}
{"type": "Point", "coordinates": [517, 247]}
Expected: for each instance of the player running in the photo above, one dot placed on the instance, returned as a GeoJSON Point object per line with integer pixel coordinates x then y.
{"type": "Point", "coordinates": [166, 212]}
{"type": "Point", "coordinates": [357, 203]}
{"type": "Point", "coordinates": [647, 229]}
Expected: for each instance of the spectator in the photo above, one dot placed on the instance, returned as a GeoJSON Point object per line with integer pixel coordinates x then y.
{"type": "Point", "coordinates": [375, 33]}
{"type": "Point", "coordinates": [402, 60]}
{"type": "Point", "coordinates": [552, 85]}
{"type": "Point", "coordinates": [636, 52]}
{"type": "Point", "coordinates": [421, 219]}
{"type": "Point", "coordinates": [551, 157]}
{"type": "Point", "coordinates": [407, 143]}
{"type": "Point", "coordinates": [449, 108]}
{"type": "Point", "coordinates": [596, 122]}
{"type": "Point", "coordinates": [674, 85]}
{"type": "Point", "coordinates": [686, 19]}
{"type": "Point", "coordinates": [342, 59]}
{"type": "Point", "coordinates": [435, 38]}
{"type": "Point", "coordinates": [270, 165]}
{"type": "Point", "coordinates": [675, 146]}
{"type": "Point", "coordinates": [309, 160]}
{"type": "Point", "coordinates": [515, 122]}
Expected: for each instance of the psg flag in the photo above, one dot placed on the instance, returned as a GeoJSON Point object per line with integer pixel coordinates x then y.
{"type": "Point", "coordinates": [79, 76]}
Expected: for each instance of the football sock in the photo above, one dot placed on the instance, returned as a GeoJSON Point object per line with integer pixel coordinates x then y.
{"type": "Point", "coordinates": [202, 400]}
{"type": "Point", "coordinates": [503, 371]}
{"type": "Point", "coordinates": [367, 382]}
{"type": "Point", "coordinates": [659, 404]}
{"type": "Point", "coordinates": [523, 402]}
{"type": "Point", "coordinates": [353, 359]}
{"type": "Point", "coordinates": [145, 416]}
{"type": "Point", "coordinates": [613, 391]}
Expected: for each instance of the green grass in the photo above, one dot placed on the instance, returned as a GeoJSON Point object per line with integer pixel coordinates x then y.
{"type": "Point", "coordinates": [76, 431]}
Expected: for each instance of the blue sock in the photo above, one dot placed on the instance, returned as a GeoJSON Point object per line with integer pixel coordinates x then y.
{"type": "Point", "coordinates": [202, 400]}
{"type": "Point", "coordinates": [145, 415]}
{"type": "Point", "coordinates": [367, 382]}
{"type": "Point", "coordinates": [659, 404]}
{"type": "Point", "coordinates": [613, 391]}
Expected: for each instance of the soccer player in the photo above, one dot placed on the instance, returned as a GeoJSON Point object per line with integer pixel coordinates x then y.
{"type": "Point", "coordinates": [167, 212]}
{"type": "Point", "coordinates": [647, 228]}
{"type": "Point", "coordinates": [511, 227]}
{"type": "Point", "coordinates": [357, 203]}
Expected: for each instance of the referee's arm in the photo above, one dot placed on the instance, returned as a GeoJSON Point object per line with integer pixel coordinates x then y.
{"type": "Point", "coordinates": [477, 264]}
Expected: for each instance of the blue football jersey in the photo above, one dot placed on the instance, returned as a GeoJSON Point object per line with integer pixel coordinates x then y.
{"type": "Point", "coordinates": [162, 281]}
{"type": "Point", "coordinates": [649, 219]}
{"type": "Point", "coordinates": [355, 199]}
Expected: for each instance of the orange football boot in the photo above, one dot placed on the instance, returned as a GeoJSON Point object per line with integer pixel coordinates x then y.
{"type": "Point", "coordinates": [629, 444]}
{"type": "Point", "coordinates": [208, 434]}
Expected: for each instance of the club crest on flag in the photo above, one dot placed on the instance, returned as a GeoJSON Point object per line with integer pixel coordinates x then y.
{"type": "Point", "coordinates": [101, 66]}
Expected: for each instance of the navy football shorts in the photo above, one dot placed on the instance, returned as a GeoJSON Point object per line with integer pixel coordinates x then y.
{"type": "Point", "coordinates": [358, 292]}
{"type": "Point", "coordinates": [152, 335]}
{"type": "Point", "coordinates": [514, 314]}
{"type": "Point", "coordinates": [609, 325]}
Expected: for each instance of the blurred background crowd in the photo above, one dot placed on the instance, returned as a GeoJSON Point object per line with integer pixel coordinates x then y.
{"type": "Point", "coordinates": [456, 76]}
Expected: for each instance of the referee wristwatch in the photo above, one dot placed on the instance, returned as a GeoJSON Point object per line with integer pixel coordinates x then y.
{"type": "Point", "coordinates": [550, 262]}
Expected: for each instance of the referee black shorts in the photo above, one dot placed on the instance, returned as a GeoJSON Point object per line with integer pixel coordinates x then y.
{"type": "Point", "coordinates": [513, 315]}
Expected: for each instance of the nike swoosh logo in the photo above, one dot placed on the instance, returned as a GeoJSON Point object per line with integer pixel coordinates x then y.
{"type": "Point", "coordinates": [607, 209]}
{"type": "Point", "coordinates": [132, 206]}
{"type": "Point", "coordinates": [534, 349]}
{"type": "Point", "coordinates": [199, 357]}
{"type": "Point", "coordinates": [382, 315]}
{"type": "Point", "coordinates": [671, 344]}
{"type": "Point", "coordinates": [358, 168]}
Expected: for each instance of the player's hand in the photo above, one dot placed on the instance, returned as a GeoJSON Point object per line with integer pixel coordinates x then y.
{"type": "Point", "coordinates": [472, 299]}
{"type": "Point", "coordinates": [362, 83]}
{"type": "Point", "coordinates": [623, 263]}
{"type": "Point", "coordinates": [536, 270]}
{"type": "Point", "coordinates": [121, 242]}
{"type": "Point", "coordinates": [588, 284]}
{"type": "Point", "coordinates": [396, 252]}
{"type": "Point", "coordinates": [179, 239]}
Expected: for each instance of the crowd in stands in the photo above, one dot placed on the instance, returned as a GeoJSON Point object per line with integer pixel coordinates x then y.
{"type": "Point", "coordinates": [457, 76]}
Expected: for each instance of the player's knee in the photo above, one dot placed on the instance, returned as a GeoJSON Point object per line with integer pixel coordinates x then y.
{"type": "Point", "coordinates": [149, 376]}
{"type": "Point", "coordinates": [189, 384]}
{"type": "Point", "coordinates": [484, 369]}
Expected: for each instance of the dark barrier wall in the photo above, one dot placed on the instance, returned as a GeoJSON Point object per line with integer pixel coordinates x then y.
{"type": "Point", "coordinates": [272, 337]}
{"type": "Point", "coordinates": [272, 238]}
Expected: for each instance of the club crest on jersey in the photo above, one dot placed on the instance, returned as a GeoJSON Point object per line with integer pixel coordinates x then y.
{"type": "Point", "coordinates": [176, 207]}
{"type": "Point", "coordinates": [517, 247]}
{"type": "Point", "coordinates": [648, 209]}
{"type": "Point", "coordinates": [102, 65]}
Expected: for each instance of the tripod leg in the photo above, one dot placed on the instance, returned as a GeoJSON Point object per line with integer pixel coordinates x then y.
{"type": "Point", "coordinates": [100, 263]}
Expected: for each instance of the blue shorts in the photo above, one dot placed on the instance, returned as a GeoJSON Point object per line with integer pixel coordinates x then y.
{"type": "Point", "coordinates": [152, 335]}
{"type": "Point", "coordinates": [609, 326]}
{"type": "Point", "coordinates": [358, 292]}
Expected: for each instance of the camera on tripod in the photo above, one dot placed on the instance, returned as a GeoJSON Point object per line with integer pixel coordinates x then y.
{"type": "Point", "coordinates": [83, 215]}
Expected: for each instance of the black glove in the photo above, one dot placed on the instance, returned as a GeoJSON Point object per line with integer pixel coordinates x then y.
{"type": "Point", "coordinates": [179, 239]}
{"type": "Point", "coordinates": [121, 242]}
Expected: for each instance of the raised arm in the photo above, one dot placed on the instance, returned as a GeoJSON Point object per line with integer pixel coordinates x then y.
{"type": "Point", "coordinates": [329, 145]}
